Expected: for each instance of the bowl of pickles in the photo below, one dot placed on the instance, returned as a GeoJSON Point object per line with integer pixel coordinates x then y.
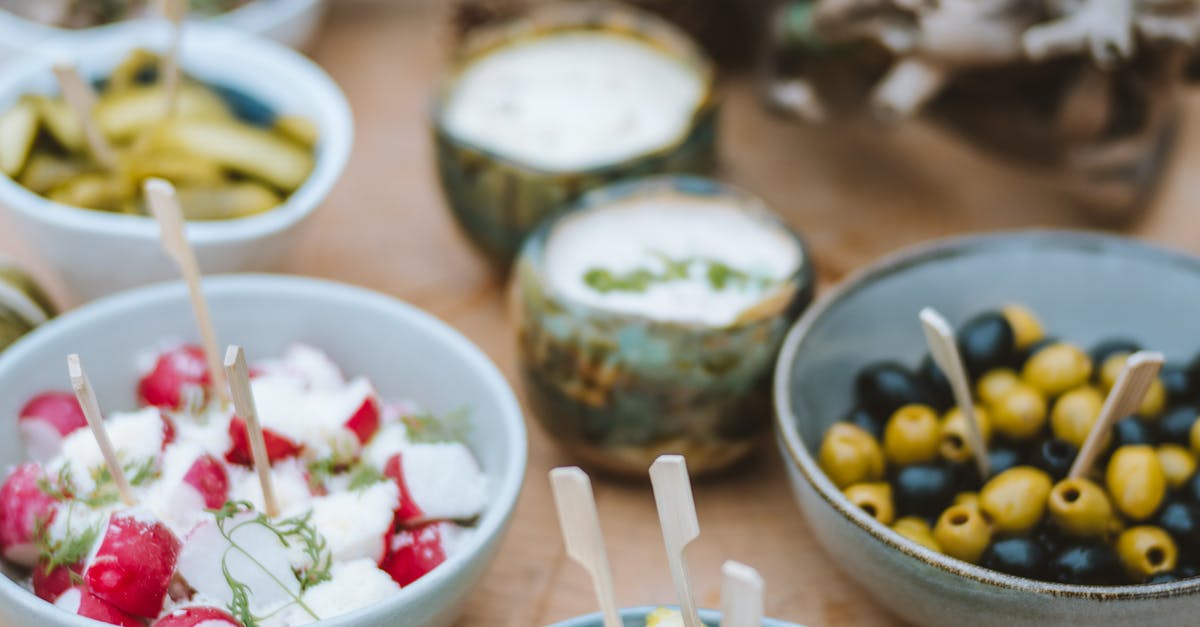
{"type": "Point", "coordinates": [253, 140]}
{"type": "Point", "coordinates": [1045, 322]}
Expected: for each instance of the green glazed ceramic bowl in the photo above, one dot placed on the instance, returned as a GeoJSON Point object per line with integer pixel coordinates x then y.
{"type": "Point", "coordinates": [617, 390]}
{"type": "Point", "coordinates": [636, 617]}
{"type": "Point", "coordinates": [498, 201]}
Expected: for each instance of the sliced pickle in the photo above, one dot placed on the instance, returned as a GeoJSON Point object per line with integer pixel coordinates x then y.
{"type": "Point", "coordinates": [60, 122]}
{"type": "Point", "coordinates": [251, 151]}
{"type": "Point", "coordinates": [224, 202]}
{"type": "Point", "coordinates": [177, 167]}
{"type": "Point", "coordinates": [132, 70]}
{"type": "Point", "coordinates": [44, 172]}
{"type": "Point", "coordinates": [18, 128]}
{"type": "Point", "coordinates": [298, 129]}
{"type": "Point", "coordinates": [94, 190]}
{"type": "Point", "coordinates": [124, 114]}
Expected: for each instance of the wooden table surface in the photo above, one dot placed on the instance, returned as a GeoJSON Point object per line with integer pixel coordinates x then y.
{"type": "Point", "coordinates": [854, 194]}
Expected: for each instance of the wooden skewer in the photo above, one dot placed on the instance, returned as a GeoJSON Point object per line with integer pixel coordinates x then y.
{"type": "Point", "coordinates": [243, 404]}
{"type": "Point", "coordinates": [91, 411]}
{"type": "Point", "coordinates": [160, 195]}
{"type": "Point", "coordinates": [580, 526]}
{"type": "Point", "coordinates": [677, 516]}
{"type": "Point", "coordinates": [1126, 395]}
{"type": "Point", "coordinates": [176, 12]}
{"type": "Point", "coordinates": [741, 596]}
{"type": "Point", "coordinates": [940, 338]}
{"type": "Point", "coordinates": [82, 100]}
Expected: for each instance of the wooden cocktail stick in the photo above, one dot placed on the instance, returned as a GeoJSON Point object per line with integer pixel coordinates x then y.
{"type": "Point", "coordinates": [741, 596]}
{"type": "Point", "coordinates": [677, 516]}
{"type": "Point", "coordinates": [940, 338]}
{"type": "Point", "coordinates": [82, 100]}
{"type": "Point", "coordinates": [160, 195]}
{"type": "Point", "coordinates": [1123, 399]}
{"type": "Point", "coordinates": [176, 12]}
{"type": "Point", "coordinates": [243, 404]}
{"type": "Point", "coordinates": [91, 411]}
{"type": "Point", "coordinates": [580, 525]}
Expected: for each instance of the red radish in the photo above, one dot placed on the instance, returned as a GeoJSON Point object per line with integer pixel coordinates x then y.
{"type": "Point", "coordinates": [133, 567]}
{"type": "Point", "coordinates": [51, 585]}
{"type": "Point", "coordinates": [207, 475]}
{"type": "Point", "coordinates": [278, 446]}
{"type": "Point", "coordinates": [365, 420]}
{"type": "Point", "coordinates": [79, 601]}
{"type": "Point", "coordinates": [178, 374]}
{"type": "Point", "coordinates": [408, 511]}
{"type": "Point", "coordinates": [24, 510]}
{"type": "Point", "coordinates": [197, 616]}
{"type": "Point", "coordinates": [45, 420]}
{"type": "Point", "coordinates": [168, 430]}
{"type": "Point", "coordinates": [414, 552]}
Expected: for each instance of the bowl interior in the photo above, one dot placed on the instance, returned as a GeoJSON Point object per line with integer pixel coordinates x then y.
{"type": "Point", "coordinates": [636, 617]}
{"type": "Point", "coordinates": [407, 353]}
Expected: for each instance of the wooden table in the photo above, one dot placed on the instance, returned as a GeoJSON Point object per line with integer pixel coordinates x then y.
{"type": "Point", "coordinates": [385, 227]}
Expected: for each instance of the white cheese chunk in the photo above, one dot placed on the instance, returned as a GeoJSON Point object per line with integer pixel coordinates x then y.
{"type": "Point", "coordinates": [287, 478]}
{"type": "Point", "coordinates": [445, 480]}
{"type": "Point", "coordinates": [389, 440]}
{"type": "Point", "coordinates": [353, 585]}
{"type": "Point", "coordinates": [355, 523]}
{"type": "Point", "coordinates": [136, 436]}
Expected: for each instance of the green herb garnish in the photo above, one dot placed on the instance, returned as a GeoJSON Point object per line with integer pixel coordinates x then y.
{"type": "Point", "coordinates": [104, 488]}
{"type": "Point", "coordinates": [363, 476]}
{"type": "Point", "coordinates": [425, 428]}
{"type": "Point", "coordinates": [719, 274]}
{"type": "Point", "coordinates": [70, 550]}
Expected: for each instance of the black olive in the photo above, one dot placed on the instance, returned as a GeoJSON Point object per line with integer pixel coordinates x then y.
{"type": "Point", "coordinates": [1055, 457]}
{"type": "Point", "coordinates": [1051, 538]}
{"type": "Point", "coordinates": [1089, 564]}
{"type": "Point", "coordinates": [863, 419]}
{"type": "Point", "coordinates": [1168, 577]}
{"type": "Point", "coordinates": [1187, 572]}
{"type": "Point", "coordinates": [1176, 425]}
{"type": "Point", "coordinates": [1191, 489]}
{"type": "Point", "coordinates": [1132, 430]}
{"type": "Point", "coordinates": [1177, 380]}
{"type": "Point", "coordinates": [884, 387]}
{"type": "Point", "coordinates": [1107, 348]}
{"type": "Point", "coordinates": [924, 489]}
{"type": "Point", "coordinates": [937, 386]}
{"type": "Point", "coordinates": [1002, 456]}
{"type": "Point", "coordinates": [1182, 521]}
{"type": "Point", "coordinates": [985, 342]}
{"type": "Point", "coordinates": [1023, 557]}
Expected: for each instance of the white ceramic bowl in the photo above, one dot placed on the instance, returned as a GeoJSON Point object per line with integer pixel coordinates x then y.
{"type": "Point", "coordinates": [406, 352]}
{"type": "Point", "coordinates": [290, 22]}
{"type": "Point", "coordinates": [636, 617]}
{"type": "Point", "coordinates": [98, 253]}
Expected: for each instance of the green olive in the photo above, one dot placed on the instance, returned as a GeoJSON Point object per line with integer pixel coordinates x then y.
{"type": "Point", "coordinates": [994, 384]}
{"type": "Point", "coordinates": [874, 498]}
{"type": "Point", "coordinates": [1074, 414]}
{"type": "Point", "coordinates": [962, 533]}
{"type": "Point", "coordinates": [1111, 368]}
{"type": "Point", "coordinates": [1021, 413]}
{"type": "Point", "coordinates": [1177, 463]}
{"type": "Point", "coordinates": [970, 499]}
{"type": "Point", "coordinates": [916, 529]}
{"type": "Point", "coordinates": [1015, 499]}
{"type": "Point", "coordinates": [1027, 329]}
{"type": "Point", "coordinates": [1155, 399]}
{"type": "Point", "coordinates": [1081, 508]}
{"type": "Point", "coordinates": [1135, 481]}
{"type": "Point", "coordinates": [955, 442]}
{"type": "Point", "coordinates": [850, 455]}
{"type": "Point", "coordinates": [912, 435]}
{"type": "Point", "coordinates": [1145, 551]}
{"type": "Point", "coordinates": [1057, 368]}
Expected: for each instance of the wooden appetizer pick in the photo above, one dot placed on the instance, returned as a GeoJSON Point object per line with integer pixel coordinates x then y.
{"type": "Point", "coordinates": [677, 516]}
{"type": "Point", "coordinates": [91, 411]}
{"type": "Point", "coordinates": [176, 12]}
{"type": "Point", "coordinates": [940, 338]}
{"type": "Point", "coordinates": [160, 195]}
{"type": "Point", "coordinates": [1126, 395]}
{"type": "Point", "coordinates": [243, 404]}
{"type": "Point", "coordinates": [580, 524]}
{"type": "Point", "coordinates": [741, 596]}
{"type": "Point", "coordinates": [82, 100]}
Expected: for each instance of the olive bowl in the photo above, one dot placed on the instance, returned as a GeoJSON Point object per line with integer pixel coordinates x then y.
{"type": "Point", "coordinates": [636, 617]}
{"type": "Point", "coordinates": [496, 200]}
{"type": "Point", "coordinates": [1088, 287]}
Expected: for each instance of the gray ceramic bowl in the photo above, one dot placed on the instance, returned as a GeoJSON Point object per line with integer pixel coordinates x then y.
{"type": "Point", "coordinates": [1084, 287]}
{"type": "Point", "coordinates": [636, 617]}
{"type": "Point", "coordinates": [406, 352]}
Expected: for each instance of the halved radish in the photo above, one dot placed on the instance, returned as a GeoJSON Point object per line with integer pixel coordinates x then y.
{"type": "Point", "coordinates": [132, 568]}
{"type": "Point", "coordinates": [251, 554]}
{"type": "Point", "coordinates": [207, 475]}
{"type": "Point", "coordinates": [45, 420]}
{"type": "Point", "coordinates": [24, 509]}
{"type": "Point", "coordinates": [168, 430]}
{"type": "Point", "coordinates": [414, 552]}
{"type": "Point", "coordinates": [408, 512]}
{"type": "Point", "coordinates": [197, 616]}
{"type": "Point", "coordinates": [278, 446]}
{"type": "Point", "coordinates": [49, 585]}
{"type": "Point", "coordinates": [364, 422]}
{"type": "Point", "coordinates": [179, 374]}
{"type": "Point", "coordinates": [77, 600]}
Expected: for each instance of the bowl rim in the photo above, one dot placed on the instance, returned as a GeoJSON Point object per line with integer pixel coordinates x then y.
{"type": "Point", "coordinates": [640, 611]}
{"type": "Point", "coordinates": [507, 481]}
{"type": "Point", "coordinates": [798, 456]}
{"type": "Point", "coordinates": [329, 156]}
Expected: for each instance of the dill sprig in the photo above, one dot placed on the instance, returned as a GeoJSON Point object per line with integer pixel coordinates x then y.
{"type": "Point", "coordinates": [364, 475]}
{"type": "Point", "coordinates": [425, 428]}
{"type": "Point", "coordinates": [296, 530]}
{"type": "Point", "coordinates": [70, 550]}
{"type": "Point", "coordinates": [719, 274]}
{"type": "Point", "coordinates": [104, 490]}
